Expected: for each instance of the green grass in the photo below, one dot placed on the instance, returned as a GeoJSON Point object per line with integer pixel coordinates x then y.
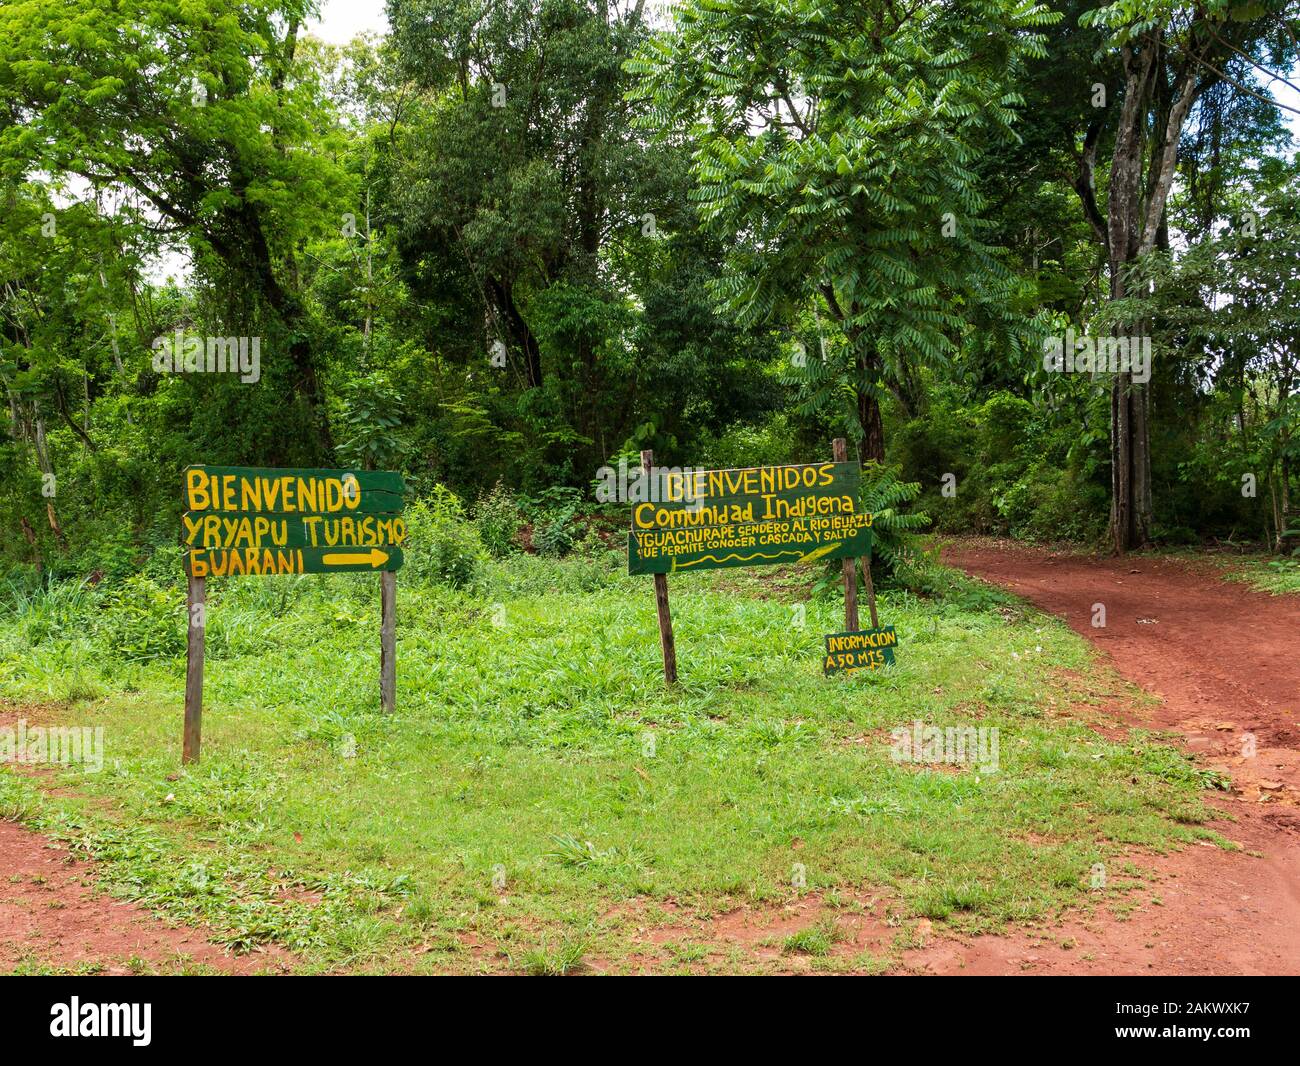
{"type": "Point", "coordinates": [1265, 573]}
{"type": "Point", "coordinates": [539, 800]}
{"type": "Point", "coordinates": [1276, 576]}
{"type": "Point", "coordinates": [815, 940]}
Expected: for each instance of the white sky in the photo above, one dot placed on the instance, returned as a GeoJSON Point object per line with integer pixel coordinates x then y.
{"type": "Point", "coordinates": [341, 20]}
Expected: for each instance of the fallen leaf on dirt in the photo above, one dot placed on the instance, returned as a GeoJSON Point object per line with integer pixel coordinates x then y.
{"type": "Point", "coordinates": [1270, 786]}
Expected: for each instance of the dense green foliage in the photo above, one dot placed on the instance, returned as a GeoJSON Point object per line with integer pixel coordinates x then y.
{"type": "Point", "coordinates": [517, 240]}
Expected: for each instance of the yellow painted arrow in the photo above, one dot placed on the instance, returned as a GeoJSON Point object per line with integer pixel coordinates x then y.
{"type": "Point", "coordinates": [817, 553]}
{"type": "Point", "coordinates": [374, 557]}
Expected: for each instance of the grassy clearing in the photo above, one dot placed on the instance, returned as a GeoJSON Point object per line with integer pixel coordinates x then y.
{"type": "Point", "coordinates": [539, 800]}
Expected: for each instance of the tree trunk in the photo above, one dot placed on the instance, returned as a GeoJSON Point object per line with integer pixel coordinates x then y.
{"type": "Point", "coordinates": [241, 243]}
{"type": "Point", "coordinates": [1130, 451]}
{"type": "Point", "coordinates": [1130, 456]}
{"type": "Point", "coordinates": [871, 448]}
{"type": "Point", "coordinates": [1135, 224]}
{"type": "Point", "coordinates": [512, 321]}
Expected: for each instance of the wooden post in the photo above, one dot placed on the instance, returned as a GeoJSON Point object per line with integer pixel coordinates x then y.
{"type": "Point", "coordinates": [840, 452]}
{"type": "Point", "coordinates": [196, 612]}
{"type": "Point", "coordinates": [661, 600]}
{"type": "Point", "coordinates": [388, 640]}
{"type": "Point", "coordinates": [871, 592]}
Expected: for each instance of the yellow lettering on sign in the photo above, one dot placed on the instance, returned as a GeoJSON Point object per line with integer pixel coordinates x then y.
{"type": "Point", "coordinates": [289, 494]}
{"type": "Point", "coordinates": [251, 561]}
{"type": "Point", "coordinates": [196, 483]}
{"type": "Point", "coordinates": [859, 641]}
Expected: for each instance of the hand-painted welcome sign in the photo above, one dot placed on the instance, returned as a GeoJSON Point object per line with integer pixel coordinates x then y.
{"type": "Point", "coordinates": [706, 519]}
{"type": "Point", "coordinates": [248, 521]}
{"type": "Point", "coordinates": [245, 521]}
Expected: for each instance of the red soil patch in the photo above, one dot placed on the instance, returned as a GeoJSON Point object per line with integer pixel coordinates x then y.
{"type": "Point", "coordinates": [1224, 661]}
{"type": "Point", "coordinates": [51, 917]}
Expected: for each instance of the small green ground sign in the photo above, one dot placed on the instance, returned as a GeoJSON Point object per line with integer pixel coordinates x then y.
{"type": "Point", "coordinates": [706, 519]}
{"type": "Point", "coordinates": [864, 649]}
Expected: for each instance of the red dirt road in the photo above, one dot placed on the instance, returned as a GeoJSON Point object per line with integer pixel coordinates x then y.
{"type": "Point", "coordinates": [1224, 661]}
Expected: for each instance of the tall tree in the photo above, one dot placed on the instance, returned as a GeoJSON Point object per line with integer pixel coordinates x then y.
{"type": "Point", "coordinates": [833, 142]}
{"type": "Point", "coordinates": [203, 111]}
{"type": "Point", "coordinates": [1159, 58]}
{"type": "Point", "coordinates": [526, 163]}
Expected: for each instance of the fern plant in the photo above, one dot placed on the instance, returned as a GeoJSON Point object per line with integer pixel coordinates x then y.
{"type": "Point", "coordinates": [895, 543]}
{"type": "Point", "coordinates": [897, 549]}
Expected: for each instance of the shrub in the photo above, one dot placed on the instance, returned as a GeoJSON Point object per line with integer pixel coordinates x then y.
{"type": "Point", "coordinates": [897, 548]}
{"type": "Point", "coordinates": [444, 547]}
{"type": "Point", "coordinates": [554, 539]}
{"type": "Point", "coordinates": [555, 528]}
{"type": "Point", "coordinates": [1048, 504]}
{"type": "Point", "coordinates": [743, 445]}
{"type": "Point", "coordinates": [497, 518]}
{"type": "Point", "coordinates": [594, 547]}
{"type": "Point", "coordinates": [141, 621]}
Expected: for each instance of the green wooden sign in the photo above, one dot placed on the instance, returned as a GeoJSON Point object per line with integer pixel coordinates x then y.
{"type": "Point", "coordinates": [246, 490]}
{"type": "Point", "coordinates": [706, 519]}
{"type": "Point", "coordinates": [863, 649]}
{"type": "Point", "coordinates": [250, 521]}
{"type": "Point", "coordinates": [220, 529]}
{"type": "Point", "coordinates": [267, 562]}
{"type": "Point", "coordinates": [257, 522]}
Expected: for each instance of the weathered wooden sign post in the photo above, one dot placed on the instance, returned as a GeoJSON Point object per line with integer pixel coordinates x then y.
{"type": "Point", "coordinates": [840, 452]}
{"type": "Point", "coordinates": [666, 642]}
{"type": "Point", "coordinates": [245, 521]}
{"type": "Point", "coordinates": [706, 519]}
{"type": "Point", "coordinates": [856, 649]}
